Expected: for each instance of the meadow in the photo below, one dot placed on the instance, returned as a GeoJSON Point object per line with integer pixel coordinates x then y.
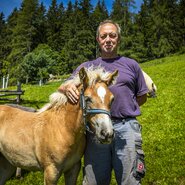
{"type": "Point", "coordinates": [162, 119]}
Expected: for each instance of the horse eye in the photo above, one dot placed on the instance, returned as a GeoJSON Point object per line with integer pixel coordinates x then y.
{"type": "Point", "coordinates": [88, 99]}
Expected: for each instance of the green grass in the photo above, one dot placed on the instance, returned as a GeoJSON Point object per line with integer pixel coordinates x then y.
{"type": "Point", "coordinates": [162, 122]}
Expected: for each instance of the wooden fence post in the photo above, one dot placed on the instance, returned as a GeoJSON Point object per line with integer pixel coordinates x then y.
{"type": "Point", "coordinates": [6, 81]}
{"type": "Point", "coordinates": [18, 89]}
{"type": "Point", "coordinates": [3, 86]}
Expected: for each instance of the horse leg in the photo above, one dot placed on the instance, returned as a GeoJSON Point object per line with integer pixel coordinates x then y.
{"type": "Point", "coordinates": [51, 175]}
{"type": "Point", "coordinates": [6, 169]}
{"type": "Point", "coordinates": [72, 174]}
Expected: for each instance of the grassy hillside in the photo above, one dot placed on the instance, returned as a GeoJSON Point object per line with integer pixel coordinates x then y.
{"type": "Point", "coordinates": [162, 120]}
{"type": "Point", "coordinates": [163, 123]}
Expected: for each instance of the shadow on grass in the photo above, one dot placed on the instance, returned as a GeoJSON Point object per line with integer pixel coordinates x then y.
{"type": "Point", "coordinates": [27, 103]}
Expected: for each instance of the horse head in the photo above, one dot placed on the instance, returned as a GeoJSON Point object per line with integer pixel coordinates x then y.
{"type": "Point", "coordinates": [96, 100]}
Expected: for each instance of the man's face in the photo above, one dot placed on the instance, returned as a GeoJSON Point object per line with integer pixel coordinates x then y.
{"type": "Point", "coordinates": [108, 39]}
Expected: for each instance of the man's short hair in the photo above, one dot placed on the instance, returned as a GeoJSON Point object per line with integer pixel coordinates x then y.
{"type": "Point", "coordinates": [111, 22]}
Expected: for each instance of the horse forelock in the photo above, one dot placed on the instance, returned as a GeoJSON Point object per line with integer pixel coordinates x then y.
{"type": "Point", "coordinates": [57, 98]}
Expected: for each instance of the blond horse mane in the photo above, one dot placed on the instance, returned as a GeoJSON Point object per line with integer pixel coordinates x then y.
{"type": "Point", "coordinates": [57, 98]}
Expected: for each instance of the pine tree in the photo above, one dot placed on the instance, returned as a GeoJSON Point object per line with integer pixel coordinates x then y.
{"type": "Point", "coordinates": [122, 14]}
{"type": "Point", "coordinates": [55, 26]}
{"type": "Point", "coordinates": [24, 34]}
{"type": "Point", "coordinates": [181, 20]}
{"type": "Point", "coordinates": [141, 33]}
{"type": "Point", "coordinates": [2, 41]}
{"type": "Point", "coordinates": [40, 25]}
{"type": "Point", "coordinates": [70, 23]}
{"type": "Point", "coordinates": [104, 10]}
{"type": "Point", "coordinates": [11, 23]}
{"type": "Point", "coordinates": [79, 46]}
{"type": "Point", "coordinates": [85, 34]}
{"type": "Point", "coordinates": [86, 8]}
{"type": "Point", "coordinates": [99, 14]}
{"type": "Point", "coordinates": [24, 31]}
{"type": "Point", "coordinates": [70, 26]}
{"type": "Point", "coordinates": [163, 38]}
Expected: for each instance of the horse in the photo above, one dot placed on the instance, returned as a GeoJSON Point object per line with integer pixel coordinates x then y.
{"type": "Point", "coordinates": [18, 173]}
{"type": "Point", "coordinates": [150, 85]}
{"type": "Point", "coordinates": [52, 140]}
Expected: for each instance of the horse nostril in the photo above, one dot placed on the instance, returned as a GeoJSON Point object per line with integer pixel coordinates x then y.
{"type": "Point", "coordinates": [103, 133]}
{"type": "Point", "coordinates": [107, 135]}
{"type": "Point", "coordinates": [110, 136]}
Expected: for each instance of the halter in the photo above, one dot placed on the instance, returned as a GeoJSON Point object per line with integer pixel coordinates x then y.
{"type": "Point", "coordinates": [87, 111]}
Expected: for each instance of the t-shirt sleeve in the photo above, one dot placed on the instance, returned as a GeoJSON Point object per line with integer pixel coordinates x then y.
{"type": "Point", "coordinates": [141, 87]}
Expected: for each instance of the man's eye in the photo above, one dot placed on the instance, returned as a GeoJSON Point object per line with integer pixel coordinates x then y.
{"type": "Point", "coordinates": [103, 36]}
{"type": "Point", "coordinates": [113, 35]}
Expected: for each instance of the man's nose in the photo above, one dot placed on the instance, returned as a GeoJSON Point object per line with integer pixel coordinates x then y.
{"type": "Point", "coordinates": [108, 38]}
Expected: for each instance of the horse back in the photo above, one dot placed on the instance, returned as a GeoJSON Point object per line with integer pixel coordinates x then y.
{"type": "Point", "coordinates": [10, 115]}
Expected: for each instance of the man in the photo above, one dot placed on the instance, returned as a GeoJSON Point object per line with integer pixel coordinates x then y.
{"type": "Point", "coordinates": [124, 154]}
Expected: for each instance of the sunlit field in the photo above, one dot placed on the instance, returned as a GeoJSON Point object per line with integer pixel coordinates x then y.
{"type": "Point", "coordinates": [162, 119]}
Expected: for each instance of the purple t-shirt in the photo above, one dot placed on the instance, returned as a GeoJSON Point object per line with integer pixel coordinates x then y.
{"type": "Point", "coordinates": [130, 83]}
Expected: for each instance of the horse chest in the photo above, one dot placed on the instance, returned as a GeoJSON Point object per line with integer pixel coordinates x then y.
{"type": "Point", "coordinates": [74, 153]}
{"type": "Point", "coordinates": [62, 149]}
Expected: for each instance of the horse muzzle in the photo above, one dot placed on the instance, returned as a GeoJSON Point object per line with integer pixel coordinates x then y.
{"type": "Point", "coordinates": [106, 137]}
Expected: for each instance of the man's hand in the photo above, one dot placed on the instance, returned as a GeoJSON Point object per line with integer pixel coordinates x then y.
{"type": "Point", "coordinates": [71, 91]}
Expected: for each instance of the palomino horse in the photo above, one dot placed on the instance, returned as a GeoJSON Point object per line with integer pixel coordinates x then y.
{"type": "Point", "coordinates": [53, 139]}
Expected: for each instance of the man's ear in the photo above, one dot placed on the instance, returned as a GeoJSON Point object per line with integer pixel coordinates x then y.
{"type": "Point", "coordinates": [97, 39]}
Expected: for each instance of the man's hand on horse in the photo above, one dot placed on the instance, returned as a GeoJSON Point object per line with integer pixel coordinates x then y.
{"type": "Point", "coordinates": [71, 91]}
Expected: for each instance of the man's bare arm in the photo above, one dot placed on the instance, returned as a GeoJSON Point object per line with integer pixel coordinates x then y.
{"type": "Point", "coordinates": [141, 99]}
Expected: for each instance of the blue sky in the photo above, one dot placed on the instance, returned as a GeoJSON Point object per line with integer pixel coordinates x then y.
{"type": "Point", "coordinates": [7, 6]}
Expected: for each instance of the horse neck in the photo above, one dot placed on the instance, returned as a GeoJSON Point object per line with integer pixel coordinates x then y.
{"type": "Point", "coordinates": [69, 116]}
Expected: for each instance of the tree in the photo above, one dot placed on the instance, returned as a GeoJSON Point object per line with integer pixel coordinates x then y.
{"type": "Point", "coordinates": [99, 14]}
{"type": "Point", "coordinates": [23, 36]}
{"type": "Point", "coordinates": [40, 25]}
{"type": "Point", "coordinates": [181, 20]}
{"type": "Point", "coordinates": [6, 37]}
{"type": "Point", "coordinates": [70, 33]}
{"type": "Point", "coordinates": [163, 32]}
{"type": "Point", "coordinates": [85, 34]}
{"type": "Point", "coordinates": [122, 14]}
{"type": "Point", "coordinates": [71, 20]}
{"type": "Point", "coordinates": [141, 33]}
{"type": "Point", "coordinates": [80, 42]}
{"type": "Point", "coordinates": [55, 26]}
{"type": "Point", "coordinates": [2, 41]}
{"type": "Point", "coordinates": [38, 64]}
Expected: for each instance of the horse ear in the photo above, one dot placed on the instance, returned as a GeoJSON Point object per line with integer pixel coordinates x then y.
{"type": "Point", "coordinates": [83, 77]}
{"type": "Point", "coordinates": [111, 78]}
